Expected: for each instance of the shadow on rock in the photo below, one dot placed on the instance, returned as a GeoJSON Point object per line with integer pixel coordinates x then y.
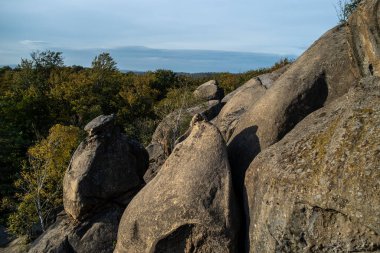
{"type": "Point", "coordinates": [242, 159]}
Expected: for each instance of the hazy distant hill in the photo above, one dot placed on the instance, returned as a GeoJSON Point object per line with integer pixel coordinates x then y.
{"type": "Point", "coordinates": [190, 61]}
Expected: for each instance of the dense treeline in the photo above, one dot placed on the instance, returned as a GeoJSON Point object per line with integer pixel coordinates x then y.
{"type": "Point", "coordinates": [45, 104]}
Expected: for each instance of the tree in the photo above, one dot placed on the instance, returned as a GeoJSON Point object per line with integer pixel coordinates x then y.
{"type": "Point", "coordinates": [77, 95]}
{"type": "Point", "coordinates": [106, 81]}
{"type": "Point", "coordinates": [103, 62]}
{"type": "Point", "coordinates": [40, 180]}
{"type": "Point", "coordinates": [46, 59]}
{"type": "Point", "coordinates": [164, 80]}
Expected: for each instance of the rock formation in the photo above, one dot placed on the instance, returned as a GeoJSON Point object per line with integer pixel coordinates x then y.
{"type": "Point", "coordinates": [106, 166]}
{"type": "Point", "coordinates": [265, 80]}
{"type": "Point", "coordinates": [319, 76]}
{"type": "Point", "coordinates": [209, 91]}
{"type": "Point", "coordinates": [18, 245]}
{"type": "Point", "coordinates": [105, 173]}
{"type": "Point", "coordinates": [97, 233]}
{"type": "Point", "coordinates": [189, 206]}
{"type": "Point", "coordinates": [240, 100]}
{"type": "Point", "coordinates": [323, 73]}
{"type": "Point", "coordinates": [317, 190]}
{"type": "Point", "coordinates": [299, 173]}
{"type": "Point", "coordinates": [237, 105]}
{"type": "Point", "coordinates": [170, 129]}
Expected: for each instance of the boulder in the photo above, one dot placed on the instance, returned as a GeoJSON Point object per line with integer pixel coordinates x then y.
{"type": "Point", "coordinates": [317, 190]}
{"type": "Point", "coordinates": [18, 245]}
{"type": "Point", "coordinates": [189, 206]}
{"type": "Point", "coordinates": [170, 129]}
{"type": "Point", "coordinates": [237, 105]}
{"type": "Point", "coordinates": [240, 100]}
{"type": "Point", "coordinates": [95, 234]}
{"type": "Point", "coordinates": [209, 91]}
{"type": "Point", "coordinates": [266, 80]}
{"type": "Point", "coordinates": [107, 166]}
{"type": "Point", "coordinates": [100, 124]}
{"type": "Point", "coordinates": [156, 159]}
{"type": "Point", "coordinates": [323, 73]}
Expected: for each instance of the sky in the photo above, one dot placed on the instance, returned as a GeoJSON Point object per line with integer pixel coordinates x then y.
{"type": "Point", "coordinates": [276, 27]}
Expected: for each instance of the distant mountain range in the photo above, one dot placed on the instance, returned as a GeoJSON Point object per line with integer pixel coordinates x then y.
{"type": "Point", "coordinates": [190, 61]}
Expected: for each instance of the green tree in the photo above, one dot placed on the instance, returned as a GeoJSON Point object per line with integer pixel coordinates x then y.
{"type": "Point", "coordinates": [106, 80]}
{"type": "Point", "coordinates": [164, 80]}
{"type": "Point", "coordinates": [40, 180]}
{"type": "Point", "coordinates": [103, 62]}
{"type": "Point", "coordinates": [75, 94]}
{"type": "Point", "coordinates": [46, 59]}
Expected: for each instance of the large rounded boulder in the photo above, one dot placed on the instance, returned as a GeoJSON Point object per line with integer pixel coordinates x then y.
{"type": "Point", "coordinates": [317, 190]}
{"type": "Point", "coordinates": [209, 91]}
{"type": "Point", "coordinates": [326, 71]}
{"type": "Point", "coordinates": [189, 206]}
{"type": "Point", "coordinates": [323, 73]}
{"type": "Point", "coordinates": [107, 166]}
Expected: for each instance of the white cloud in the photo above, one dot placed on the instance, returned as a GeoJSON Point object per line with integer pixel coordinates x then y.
{"type": "Point", "coordinates": [33, 42]}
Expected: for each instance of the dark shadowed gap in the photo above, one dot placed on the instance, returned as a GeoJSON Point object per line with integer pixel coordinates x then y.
{"type": "Point", "coordinates": [240, 158]}
{"type": "Point", "coordinates": [176, 242]}
{"type": "Point", "coordinates": [370, 68]}
{"type": "Point", "coordinates": [66, 247]}
{"type": "Point", "coordinates": [246, 146]}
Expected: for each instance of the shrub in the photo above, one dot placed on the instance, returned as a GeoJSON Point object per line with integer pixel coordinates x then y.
{"type": "Point", "coordinates": [346, 8]}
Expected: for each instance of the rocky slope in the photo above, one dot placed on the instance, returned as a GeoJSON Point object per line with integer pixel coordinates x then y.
{"type": "Point", "coordinates": [289, 164]}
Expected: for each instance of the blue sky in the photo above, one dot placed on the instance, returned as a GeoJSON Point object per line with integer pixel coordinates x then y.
{"type": "Point", "coordinates": [279, 27]}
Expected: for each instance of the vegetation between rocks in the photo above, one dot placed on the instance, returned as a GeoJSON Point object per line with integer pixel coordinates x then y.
{"type": "Point", "coordinates": [345, 8]}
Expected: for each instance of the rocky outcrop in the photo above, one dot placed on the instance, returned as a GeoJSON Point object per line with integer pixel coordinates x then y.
{"type": "Point", "coordinates": [209, 91]}
{"type": "Point", "coordinates": [323, 73]}
{"type": "Point", "coordinates": [95, 234]}
{"type": "Point", "coordinates": [105, 173]}
{"type": "Point", "coordinates": [317, 190]}
{"type": "Point", "coordinates": [107, 166]}
{"type": "Point", "coordinates": [309, 135]}
{"type": "Point", "coordinates": [170, 129]}
{"type": "Point", "coordinates": [189, 206]}
{"type": "Point", "coordinates": [318, 77]}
